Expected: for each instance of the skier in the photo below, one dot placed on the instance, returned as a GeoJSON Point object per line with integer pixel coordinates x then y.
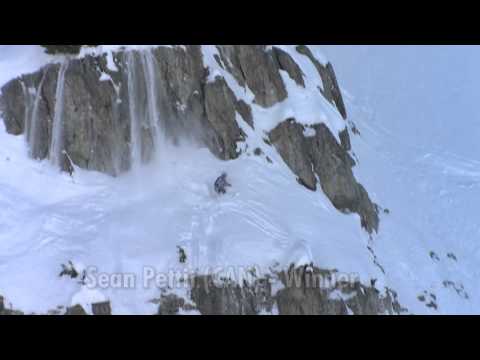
{"type": "Point", "coordinates": [221, 184]}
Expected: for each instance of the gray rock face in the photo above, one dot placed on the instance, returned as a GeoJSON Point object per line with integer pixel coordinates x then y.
{"type": "Point", "coordinates": [254, 66]}
{"type": "Point", "coordinates": [91, 132]}
{"type": "Point", "coordinates": [170, 304]}
{"type": "Point", "coordinates": [220, 105]}
{"type": "Point", "coordinates": [331, 90]}
{"type": "Point", "coordinates": [76, 310]}
{"type": "Point", "coordinates": [306, 291]}
{"type": "Point", "coordinates": [14, 107]}
{"type": "Point", "coordinates": [312, 292]}
{"type": "Point", "coordinates": [333, 166]}
{"type": "Point", "coordinates": [324, 156]}
{"type": "Point", "coordinates": [97, 113]}
{"type": "Point", "coordinates": [286, 63]}
{"type": "Point", "coordinates": [345, 140]}
{"type": "Point", "coordinates": [293, 147]}
{"type": "Point", "coordinates": [102, 308]}
{"type": "Point", "coordinates": [90, 125]}
{"type": "Point", "coordinates": [229, 298]}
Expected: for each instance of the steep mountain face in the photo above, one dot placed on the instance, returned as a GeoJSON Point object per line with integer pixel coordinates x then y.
{"type": "Point", "coordinates": [115, 111]}
{"type": "Point", "coordinates": [113, 106]}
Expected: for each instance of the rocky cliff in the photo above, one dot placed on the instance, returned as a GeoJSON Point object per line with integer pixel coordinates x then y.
{"type": "Point", "coordinates": [107, 112]}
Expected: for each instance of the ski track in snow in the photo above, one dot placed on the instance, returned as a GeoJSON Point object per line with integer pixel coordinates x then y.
{"type": "Point", "coordinates": [123, 224]}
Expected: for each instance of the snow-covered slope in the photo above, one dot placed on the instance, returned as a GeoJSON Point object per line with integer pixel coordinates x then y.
{"type": "Point", "coordinates": [415, 109]}
{"type": "Point", "coordinates": [136, 221]}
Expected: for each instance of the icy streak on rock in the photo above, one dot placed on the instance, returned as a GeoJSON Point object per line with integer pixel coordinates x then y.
{"type": "Point", "coordinates": [33, 127]}
{"type": "Point", "coordinates": [150, 71]}
{"type": "Point", "coordinates": [28, 105]}
{"type": "Point", "coordinates": [135, 121]}
{"type": "Point", "coordinates": [56, 145]}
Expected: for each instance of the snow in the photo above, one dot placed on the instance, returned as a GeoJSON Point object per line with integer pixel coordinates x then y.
{"type": "Point", "coordinates": [418, 148]}
{"type": "Point", "coordinates": [105, 77]}
{"type": "Point", "coordinates": [110, 63]}
{"type": "Point", "coordinates": [122, 225]}
{"type": "Point", "coordinates": [417, 157]}
{"type": "Point", "coordinates": [86, 297]}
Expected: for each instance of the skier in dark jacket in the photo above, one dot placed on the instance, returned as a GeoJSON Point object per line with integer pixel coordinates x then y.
{"type": "Point", "coordinates": [221, 184]}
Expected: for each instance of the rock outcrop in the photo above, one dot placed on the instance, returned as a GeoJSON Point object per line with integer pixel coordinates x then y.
{"type": "Point", "coordinates": [76, 310]}
{"type": "Point", "coordinates": [115, 105]}
{"type": "Point", "coordinates": [225, 297]}
{"type": "Point", "coordinates": [333, 165]}
{"type": "Point", "coordinates": [323, 157]}
{"type": "Point", "coordinates": [292, 145]}
{"type": "Point", "coordinates": [304, 290]}
{"type": "Point", "coordinates": [310, 291]}
{"type": "Point", "coordinates": [286, 63]}
{"type": "Point", "coordinates": [330, 90]}
{"type": "Point", "coordinates": [220, 106]}
{"type": "Point", "coordinates": [255, 67]}
{"type": "Point", "coordinates": [102, 308]}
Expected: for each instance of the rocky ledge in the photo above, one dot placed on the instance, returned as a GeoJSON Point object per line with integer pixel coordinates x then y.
{"type": "Point", "coordinates": [305, 290]}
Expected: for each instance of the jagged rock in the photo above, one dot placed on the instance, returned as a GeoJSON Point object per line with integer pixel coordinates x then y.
{"type": "Point", "coordinates": [245, 112]}
{"type": "Point", "coordinates": [307, 298]}
{"type": "Point", "coordinates": [286, 63]}
{"type": "Point", "coordinates": [293, 147]}
{"type": "Point", "coordinates": [231, 62]}
{"type": "Point", "coordinates": [181, 77]}
{"type": "Point", "coordinates": [75, 310]}
{"type": "Point", "coordinates": [331, 90]}
{"type": "Point", "coordinates": [307, 290]}
{"type": "Point", "coordinates": [220, 105]}
{"type": "Point", "coordinates": [333, 166]}
{"type": "Point", "coordinates": [345, 140]}
{"type": "Point", "coordinates": [224, 297]}
{"type": "Point", "coordinates": [97, 114]}
{"type": "Point", "coordinates": [170, 304]}
{"type": "Point", "coordinates": [314, 291]}
{"type": "Point", "coordinates": [255, 67]}
{"type": "Point", "coordinates": [90, 126]}
{"type": "Point", "coordinates": [322, 155]}
{"type": "Point", "coordinates": [102, 308]}
{"type": "Point", "coordinates": [363, 300]}
{"type": "Point", "coordinates": [14, 109]}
